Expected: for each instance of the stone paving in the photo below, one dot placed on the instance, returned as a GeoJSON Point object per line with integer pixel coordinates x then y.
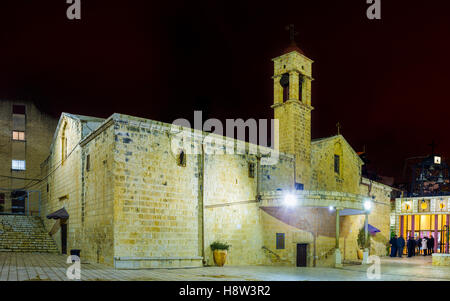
{"type": "Point", "coordinates": [42, 267]}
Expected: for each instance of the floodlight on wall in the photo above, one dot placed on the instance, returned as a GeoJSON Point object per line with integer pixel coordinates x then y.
{"type": "Point", "coordinates": [367, 205]}
{"type": "Point", "coordinates": [331, 208]}
{"type": "Point", "coordinates": [290, 200]}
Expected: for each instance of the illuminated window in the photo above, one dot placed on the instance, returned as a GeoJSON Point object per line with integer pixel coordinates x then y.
{"type": "Point", "coordinates": [18, 135]}
{"type": "Point", "coordinates": [18, 165]}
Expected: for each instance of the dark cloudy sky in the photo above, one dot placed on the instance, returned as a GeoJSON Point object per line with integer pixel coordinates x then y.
{"type": "Point", "coordinates": [385, 81]}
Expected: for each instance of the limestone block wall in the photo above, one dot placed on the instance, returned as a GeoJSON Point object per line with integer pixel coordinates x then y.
{"type": "Point", "coordinates": [96, 206]}
{"type": "Point", "coordinates": [62, 187]}
{"type": "Point", "coordinates": [295, 136]}
{"type": "Point", "coordinates": [156, 213]}
{"type": "Point", "coordinates": [324, 176]}
{"type": "Point", "coordinates": [278, 176]}
{"type": "Point", "coordinates": [227, 183]}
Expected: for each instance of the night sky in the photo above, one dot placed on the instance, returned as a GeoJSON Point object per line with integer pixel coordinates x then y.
{"type": "Point", "coordinates": [386, 81]}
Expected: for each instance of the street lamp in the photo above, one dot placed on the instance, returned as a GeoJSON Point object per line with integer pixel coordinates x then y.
{"type": "Point", "coordinates": [290, 200]}
{"type": "Point", "coordinates": [367, 205]}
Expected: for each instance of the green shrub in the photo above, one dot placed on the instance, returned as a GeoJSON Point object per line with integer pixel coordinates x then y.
{"type": "Point", "coordinates": [217, 245]}
{"type": "Point", "coordinates": [362, 239]}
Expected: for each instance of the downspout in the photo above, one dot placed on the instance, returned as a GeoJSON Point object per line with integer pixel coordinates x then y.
{"type": "Point", "coordinates": [201, 203]}
{"type": "Point", "coordinates": [258, 177]}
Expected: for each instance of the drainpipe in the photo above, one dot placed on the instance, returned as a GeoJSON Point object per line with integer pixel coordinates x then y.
{"type": "Point", "coordinates": [258, 177]}
{"type": "Point", "coordinates": [201, 202]}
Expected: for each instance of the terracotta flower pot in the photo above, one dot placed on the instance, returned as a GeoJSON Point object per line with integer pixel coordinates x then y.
{"type": "Point", "coordinates": [220, 256]}
{"type": "Point", "coordinates": [360, 254]}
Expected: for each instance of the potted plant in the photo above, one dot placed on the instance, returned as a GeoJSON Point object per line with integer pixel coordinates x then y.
{"type": "Point", "coordinates": [362, 244]}
{"type": "Point", "coordinates": [220, 251]}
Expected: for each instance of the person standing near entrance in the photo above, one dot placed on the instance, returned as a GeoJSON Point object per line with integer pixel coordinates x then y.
{"type": "Point", "coordinates": [411, 244]}
{"type": "Point", "coordinates": [393, 243]}
{"type": "Point", "coordinates": [419, 244]}
{"type": "Point", "coordinates": [432, 244]}
{"type": "Point", "coordinates": [400, 245]}
{"type": "Point", "coordinates": [424, 246]}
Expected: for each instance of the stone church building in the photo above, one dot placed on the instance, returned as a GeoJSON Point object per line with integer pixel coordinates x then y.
{"type": "Point", "coordinates": [133, 203]}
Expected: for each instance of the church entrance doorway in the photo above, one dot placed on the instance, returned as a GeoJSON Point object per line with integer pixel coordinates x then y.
{"type": "Point", "coordinates": [302, 255]}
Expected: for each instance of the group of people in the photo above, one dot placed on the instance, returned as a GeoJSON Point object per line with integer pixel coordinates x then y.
{"type": "Point", "coordinates": [413, 246]}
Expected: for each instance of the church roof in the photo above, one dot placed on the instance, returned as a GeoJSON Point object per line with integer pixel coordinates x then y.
{"type": "Point", "coordinates": [293, 47]}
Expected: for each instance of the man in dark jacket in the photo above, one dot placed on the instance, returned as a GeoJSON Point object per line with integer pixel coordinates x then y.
{"type": "Point", "coordinates": [419, 244]}
{"type": "Point", "coordinates": [430, 245]}
{"type": "Point", "coordinates": [400, 245]}
{"type": "Point", "coordinates": [393, 243]}
{"type": "Point", "coordinates": [411, 244]}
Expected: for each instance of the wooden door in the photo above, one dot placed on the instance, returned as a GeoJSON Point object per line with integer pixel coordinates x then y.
{"type": "Point", "coordinates": [301, 255]}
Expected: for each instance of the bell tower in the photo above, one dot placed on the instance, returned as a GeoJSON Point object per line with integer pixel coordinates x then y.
{"type": "Point", "coordinates": [292, 107]}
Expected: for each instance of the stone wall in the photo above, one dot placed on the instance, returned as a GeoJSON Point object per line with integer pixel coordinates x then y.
{"type": "Point", "coordinates": [324, 176]}
{"type": "Point", "coordinates": [156, 213]}
{"type": "Point", "coordinates": [94, 215]}
{"type": "Point", "coordinates": [62, 184]}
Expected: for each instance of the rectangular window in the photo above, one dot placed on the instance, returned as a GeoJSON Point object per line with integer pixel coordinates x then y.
{"type": "Point", "coordinates": [18, 165]}
{"type": "Point", "coordinates": [181, 160]}
{"type": "Point", "coordinates": [337, 160]}
{"type": "Point", "coordinates": [299, 186]}
{"type": "Point", "coordinates": [280, 240]}
{"type": "Point", "coordinates": [19, 109]}
{"type": "Point", "coordinates": [251, 170]}
{"type": "Point", "coordinates": [18, 135]}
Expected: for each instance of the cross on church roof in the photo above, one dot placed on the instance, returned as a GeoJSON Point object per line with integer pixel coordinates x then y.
{"type": "Point", "coordinates": [433, 146]}
{"type": "Point", "coordinates": [339, 127]}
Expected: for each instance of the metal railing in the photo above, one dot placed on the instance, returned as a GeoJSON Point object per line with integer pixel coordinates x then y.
{"type": "Point", "coordinates": [23, 202]}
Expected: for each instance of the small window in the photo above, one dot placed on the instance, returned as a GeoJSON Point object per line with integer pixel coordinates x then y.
{"type": "Point", "coordinates": [19, 109]}
{"type": "Point", "coordinates": [337, 161]}
{"type": "Point", "coordinates": [181, 160]}
{"type": "Point", "coordinates": [88, 162]}
{"type": "Point", "coordinates": [18, 165]}
{"type": "Point", "coordinates": [299, 186]}
{"type": "Point", "coordinates": [18, 135]}
{"type": "Point", "coordinates": [2, 202]}
{"type": "Point", "coordinates": [280, 241]}
{"type": "Point", "coordinates": [251, 170]}
{"type": "Point", "coordinates": [48, 187]}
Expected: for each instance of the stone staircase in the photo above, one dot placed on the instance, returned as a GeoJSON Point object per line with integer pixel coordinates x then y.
{"type": "Point", "coordinates": [24, 234]}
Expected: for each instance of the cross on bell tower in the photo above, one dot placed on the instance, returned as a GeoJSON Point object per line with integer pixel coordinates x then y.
{"type": "Point", "coordinates": [292, 32]}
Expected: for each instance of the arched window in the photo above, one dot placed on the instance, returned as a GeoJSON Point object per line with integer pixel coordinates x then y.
{"type": "Point", "coordinates": [338, 159]}
{"type": "Point", "coordinates": [181, 160]}
{"type": "Point", "coordinates": [300, 87]}
{"type": "Point", "coordinates": [64, 144]}
{"type": "Point", "coordinates": [284, 82]}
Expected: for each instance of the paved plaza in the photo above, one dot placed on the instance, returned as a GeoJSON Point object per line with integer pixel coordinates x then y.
{"type": "Point", "coordinates": [45, 267]}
